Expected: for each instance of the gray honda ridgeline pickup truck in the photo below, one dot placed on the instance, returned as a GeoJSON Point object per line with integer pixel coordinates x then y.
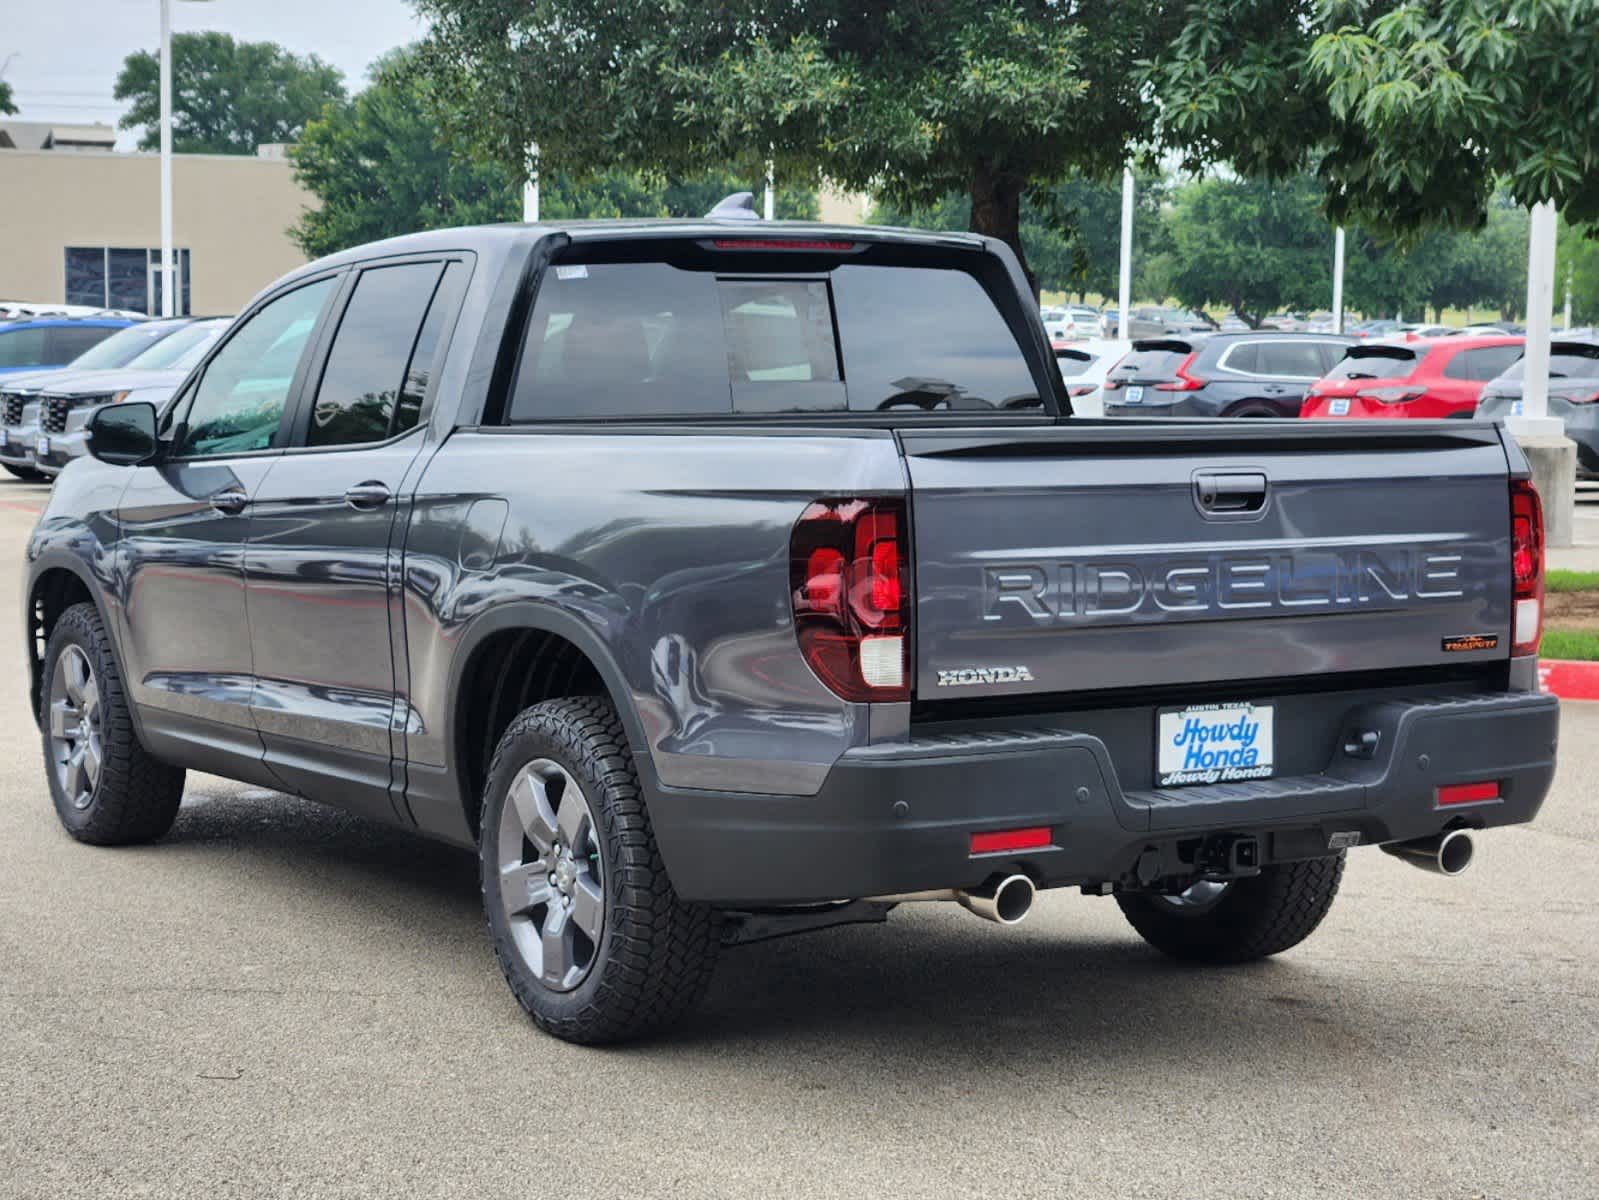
{"type": "Point", "coordinates": [715, 581]}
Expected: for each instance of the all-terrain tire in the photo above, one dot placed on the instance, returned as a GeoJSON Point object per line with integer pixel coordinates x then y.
{"type": "Point", "coordinates": [656, 953]}
{"type": "Point", "coordinates": [135, 797]}
{"type": "Point", "coordinates": [1252, 919]}
{"type": "Point", "coordinates": [26, 474]}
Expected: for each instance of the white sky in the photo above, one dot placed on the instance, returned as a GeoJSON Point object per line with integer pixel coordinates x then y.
{"type": "Point", "coordinates": [61, 57]}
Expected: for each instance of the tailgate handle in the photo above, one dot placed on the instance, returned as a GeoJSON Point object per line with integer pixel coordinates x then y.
{"type": "Point", "coordinates": [1230, 492]}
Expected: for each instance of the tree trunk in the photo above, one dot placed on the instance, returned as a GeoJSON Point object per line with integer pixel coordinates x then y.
{"type": "Point", "coordinates": [997, 212]}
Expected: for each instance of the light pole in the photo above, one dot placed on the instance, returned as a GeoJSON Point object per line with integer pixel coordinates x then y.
{"type": "Point", "coordinates": [1338, 280]}
{"type": "Point", "coordinates": [168, 303]}
{"type": "Point", "coordinates": [1124, 283]}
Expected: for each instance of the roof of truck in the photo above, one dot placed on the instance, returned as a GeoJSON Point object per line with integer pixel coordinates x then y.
{"type": "Point", "coordinates": [477, 237]}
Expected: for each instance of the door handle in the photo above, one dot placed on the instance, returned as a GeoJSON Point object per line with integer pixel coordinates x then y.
{"type": "Point", "coordinates": [1229, 493]}
{"type": "Point", "coordinates": [370, 494]}
{"type": "Point", "coordinates": [230, 501]}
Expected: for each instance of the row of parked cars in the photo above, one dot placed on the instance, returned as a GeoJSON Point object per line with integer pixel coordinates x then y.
{"type": "Point", "coordinates": [52, 383]}
{"type": "Point", "coordinates": [1333, 376]}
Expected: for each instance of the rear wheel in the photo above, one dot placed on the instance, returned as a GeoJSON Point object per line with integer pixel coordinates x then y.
{"type": "Point", "coordinates": [108, 790]}
{"type": "Point", "coordinates": [1240, 920]}
{"type": "Point", "coordinates": [592, 939]}
{"type": "Point", "coordinates": [1254, 410]}
{"type": "Point", "coordinates": [26, 474]}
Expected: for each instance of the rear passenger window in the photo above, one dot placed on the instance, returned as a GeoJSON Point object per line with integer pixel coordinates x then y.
{"type": "Point", "coordinates": [653, 339]}
{"type": "Point", "coordinates": [360, 387]}
{"type": "Point", "coordinates": [1291, 360]}
{"type": "Point", "coordinates": [1244, 358]}
{"type": "Point", "coordinates": [446, 302]}
{"type": "Point", "coordinates": [23, 347]}
{"type": "Point", "coordinates": [1489, 362]}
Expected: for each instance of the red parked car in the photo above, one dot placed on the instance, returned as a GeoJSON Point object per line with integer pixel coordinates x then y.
{"type": "Point", "coordinates": [1429, 377]}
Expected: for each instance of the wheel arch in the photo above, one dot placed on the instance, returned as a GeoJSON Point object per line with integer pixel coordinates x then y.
{"type": "Point", "coordinates": [524, 652]}
{"type": "Point", "coordinates": [56, 583]}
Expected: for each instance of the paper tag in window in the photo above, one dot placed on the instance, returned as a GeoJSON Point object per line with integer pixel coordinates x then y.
{"type": "Point", "coordinates": [579, 271]}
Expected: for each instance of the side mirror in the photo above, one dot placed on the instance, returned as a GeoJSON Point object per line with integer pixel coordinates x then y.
{"type": "Point", "coordinates": [124, 434]}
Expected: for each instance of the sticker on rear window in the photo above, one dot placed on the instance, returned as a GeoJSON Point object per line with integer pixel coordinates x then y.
{"type": "Point", "coordinates": [1471, 641]}
{"type": "Point", "coordinates": [572, 272]}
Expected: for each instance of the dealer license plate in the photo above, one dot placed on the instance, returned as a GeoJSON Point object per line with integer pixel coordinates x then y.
{"type": "Point", "coordinates": [1339, 408]}
{"type": "Point", "coordinates": [1214, 743]}
{"type": "Point", "coordinates": [5, 438]}
{"type": "Point", "coordinates": [1135, 395]}
{"type": "Point", "coordinates": [43, 446]}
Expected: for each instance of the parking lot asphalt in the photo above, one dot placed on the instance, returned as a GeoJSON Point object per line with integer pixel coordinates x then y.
{"type": "Point", "coordinates": [278, 1000]}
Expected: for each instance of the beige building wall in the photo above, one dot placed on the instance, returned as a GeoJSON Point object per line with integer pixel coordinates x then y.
{"type": "Point", "coordinates": [231, 212]}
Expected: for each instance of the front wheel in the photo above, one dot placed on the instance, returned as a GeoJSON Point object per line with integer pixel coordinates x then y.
{"type": "Point", "coordinates": [592, 939]}
{"type": "Point", "coordinates": [1240, 920]}
{"type": "Point", "coordinates": [108, 789]}
{"type": "Point", "coordinates": [26, 474]}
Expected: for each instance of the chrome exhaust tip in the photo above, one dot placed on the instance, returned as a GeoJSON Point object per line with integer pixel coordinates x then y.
{"type": "Point", "coordinates": [1005, 902]}
{"type": "Point", "coordinates": [1444, 854]}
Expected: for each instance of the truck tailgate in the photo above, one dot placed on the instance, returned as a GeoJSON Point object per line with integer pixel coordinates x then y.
{"type": "Point", "coordinates": [1077, 558]}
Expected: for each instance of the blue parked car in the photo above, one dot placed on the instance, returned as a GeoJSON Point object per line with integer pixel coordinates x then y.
{"type": "Point", "coordinates": [45, 342]}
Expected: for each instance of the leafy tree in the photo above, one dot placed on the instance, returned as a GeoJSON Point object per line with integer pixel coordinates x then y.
{"type": "Point", "coordinates": [992, 99]}
{"type": "Point", "coordinates": [380, 167]}
{"type": "Point", "coordinates": [1253, 247]}
{"type": "Point", "coordinates": [228, 97]}
{"type": "Point", "coordinates": [1071, 232]}
{"type": "Point", "coordinates": [7, 104]}
{"type": "Point", "coordinates": [1411, 111]}
{"type": "Point", "coordinates": [1578, 262]}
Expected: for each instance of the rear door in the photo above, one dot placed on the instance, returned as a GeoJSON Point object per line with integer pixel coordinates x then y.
{"type": "Point", "coordinates": [1081, 559]}
{"type": "Point", "coordinates": [318, 564]}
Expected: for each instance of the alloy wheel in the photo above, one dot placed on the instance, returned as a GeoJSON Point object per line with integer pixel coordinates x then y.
{"type": "Point", "coordinates": [76, 737]}
{"type": "Point", "coordinates": [552, 886]}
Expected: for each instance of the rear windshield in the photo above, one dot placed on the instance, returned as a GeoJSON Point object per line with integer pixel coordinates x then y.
{"type": "Point", "coordinates": [1157, 364]}
{"type": "Point", "coordinates": [653, 339]}
{"type": "Point", "coordinates": [1374, 362]}
{"type": "Point", "coordinates": [1073, 363]}
{"type": "Point", "coordinates": [1565, 362]}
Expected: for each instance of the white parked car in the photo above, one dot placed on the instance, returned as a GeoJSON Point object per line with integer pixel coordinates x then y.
{"type": "Point", "coordinates": [1084, 365]}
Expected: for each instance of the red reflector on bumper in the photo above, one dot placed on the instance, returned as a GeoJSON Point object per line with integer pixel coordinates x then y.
{"type": "Point", "coordinates": [1010, 839]}
{"type": "Point", "coordinates": [1469, 793]}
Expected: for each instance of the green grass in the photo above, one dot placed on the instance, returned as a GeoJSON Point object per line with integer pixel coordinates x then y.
{"type": "Point", "coordinates": [1571, 581]}
{"type": "Point", "coordinates": [1570, 643]}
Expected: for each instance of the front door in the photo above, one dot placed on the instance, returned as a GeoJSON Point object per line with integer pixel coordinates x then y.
{"type": "Point", "coordinates": [184, 523]}
{"type": "Point", "coordinates": [324, 524]}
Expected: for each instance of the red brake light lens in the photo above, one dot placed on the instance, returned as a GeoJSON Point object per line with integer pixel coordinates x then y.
{"type": "Point", "coordinates": [1011, 839]}
{"type": "Point", "coordinates": [813, 244]}
{"type": "Point", "coordinates": [1526, 567]}
{"type": "Point", "coordinates": [1469, 793]}
{"type": "Point", "coordinates": [1184, 381]}
{"type": "Point", "coordinates": [1591, 398]}
{"type": "Point", "coordinates": [850, 596]}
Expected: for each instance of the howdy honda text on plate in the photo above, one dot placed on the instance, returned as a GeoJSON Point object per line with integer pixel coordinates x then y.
{"type": "Point", "coordinates": [1215, 743]}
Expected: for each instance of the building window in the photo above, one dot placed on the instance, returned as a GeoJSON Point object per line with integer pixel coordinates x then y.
{"type": "Point", "coordinates": [114, 277]}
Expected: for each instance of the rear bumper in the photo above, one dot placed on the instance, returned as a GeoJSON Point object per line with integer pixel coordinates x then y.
{"type": "Point", "coordinates": [898, 818]}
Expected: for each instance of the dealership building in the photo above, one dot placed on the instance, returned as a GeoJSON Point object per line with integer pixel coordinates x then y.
{"type": "Point", "coordinates": [82, 222]}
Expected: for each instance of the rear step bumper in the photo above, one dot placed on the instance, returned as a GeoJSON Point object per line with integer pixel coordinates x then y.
{"type": "Point", "coordinates": [899, 818]}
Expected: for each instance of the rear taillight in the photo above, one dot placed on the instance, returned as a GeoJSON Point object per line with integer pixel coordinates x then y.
{"type": "Point", "coordinates": [1080, 389]}
{"type": "Point", "coordinates": [1526, 567]}
{"type": "Point", "coordinates": [1184, 381]}
{"type": "Point", "coordinates": [848, 565]}
{"type": "Point", "coordinates": [1391, 395]}
{"type": "Point", "coordinates": [1591, 398]}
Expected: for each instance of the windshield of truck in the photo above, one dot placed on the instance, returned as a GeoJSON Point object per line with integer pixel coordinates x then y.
{"type": "Point", "coordinates": [653, 339]}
